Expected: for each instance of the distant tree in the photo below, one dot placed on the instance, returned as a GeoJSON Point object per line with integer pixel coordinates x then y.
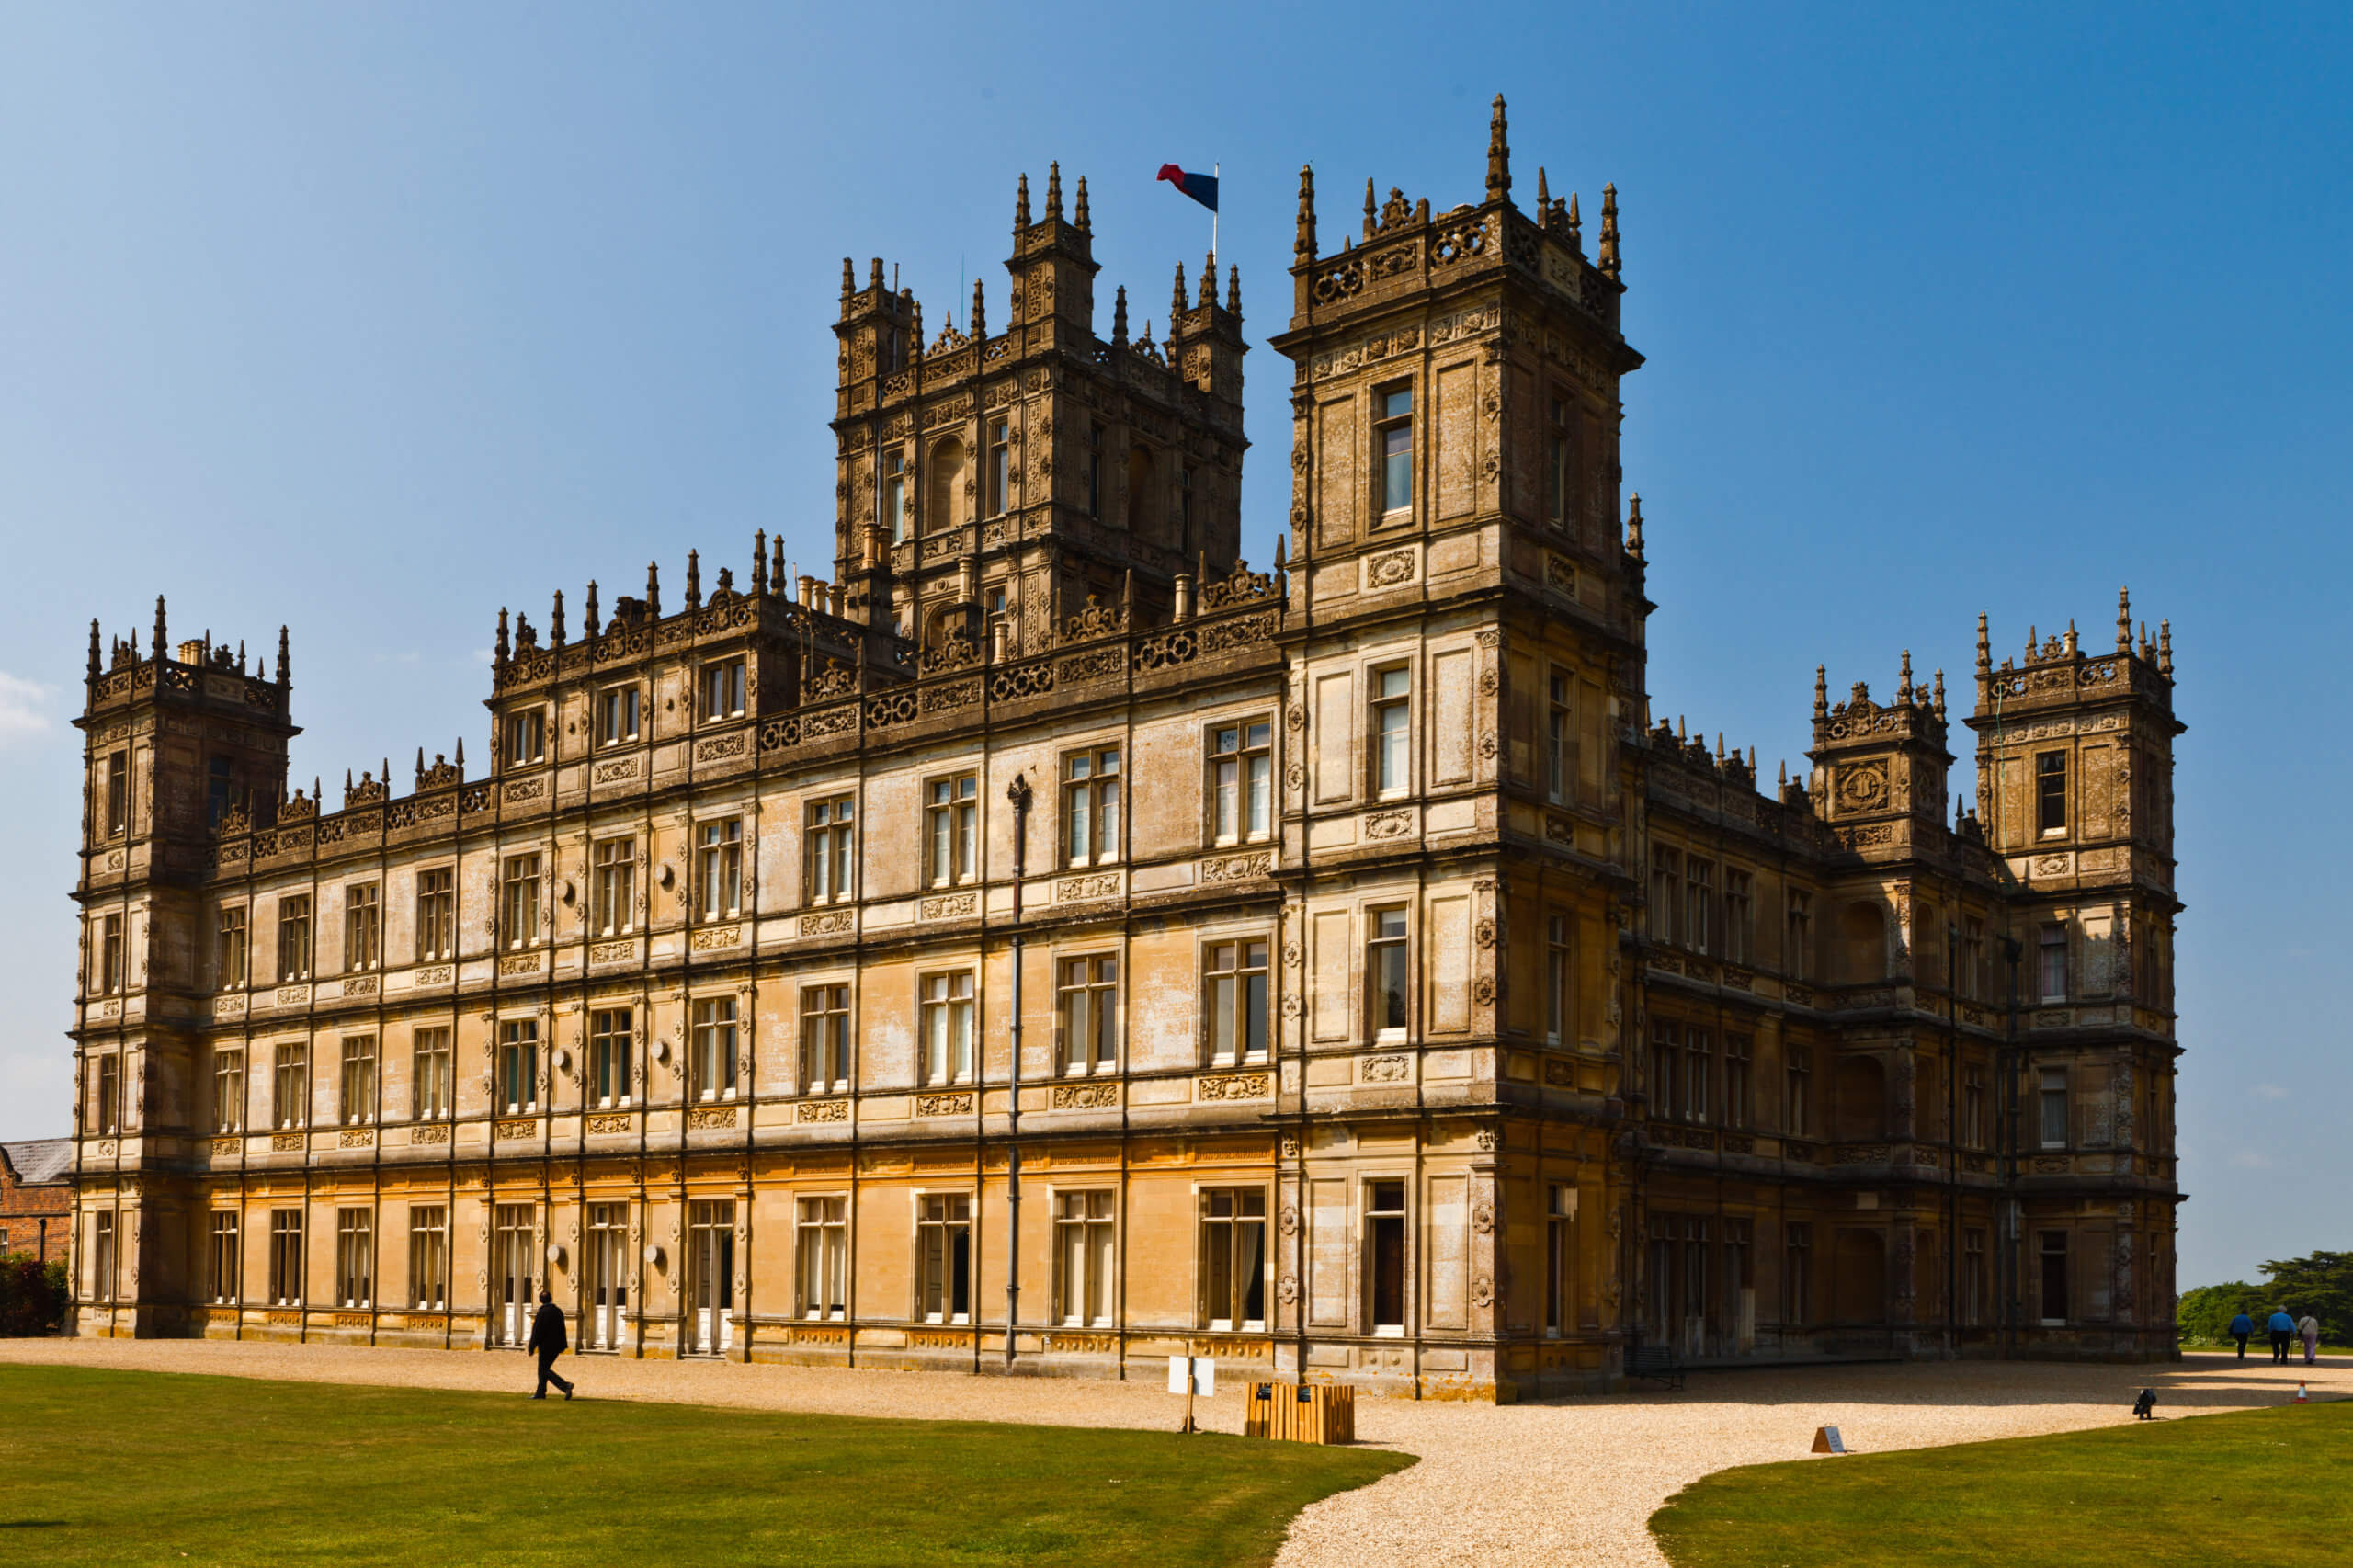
{"type": "Point", "coordinates": [2320, 1284]}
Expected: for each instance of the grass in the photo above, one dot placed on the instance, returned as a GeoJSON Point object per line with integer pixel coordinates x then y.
{"type": "Point", "coordinates": [111, 1467]}
{"type": "Point", "coordinates": [2259, 1487]}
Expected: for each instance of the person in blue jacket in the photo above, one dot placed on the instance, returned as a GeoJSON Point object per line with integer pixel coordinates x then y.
{"type": "Point", "coordinates": [2283, 1329]}
{"type": "Point", "coordinates": [2241, 1326]}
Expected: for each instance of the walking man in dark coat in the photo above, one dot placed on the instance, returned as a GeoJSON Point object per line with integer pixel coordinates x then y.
{"type": "Point", "coordinates": [549, 1339]}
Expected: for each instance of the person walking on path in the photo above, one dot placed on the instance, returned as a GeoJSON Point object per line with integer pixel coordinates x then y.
{"type": "Point", "coordinates": [549, 1339]}
{"type": "Point", "coordinates": [2241, 1327]}
{"type": "Point", "coordinates": [2283, 1329]}
{"type": "Point", "coordinates": [2308, 1330]}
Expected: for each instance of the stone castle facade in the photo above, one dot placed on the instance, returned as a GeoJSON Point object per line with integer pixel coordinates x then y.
{"type": "Point", "coordinates": [1329, 968]}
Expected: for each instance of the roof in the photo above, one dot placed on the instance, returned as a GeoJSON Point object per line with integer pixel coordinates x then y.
{"type": "Point", "coordinates": [39, 1160]}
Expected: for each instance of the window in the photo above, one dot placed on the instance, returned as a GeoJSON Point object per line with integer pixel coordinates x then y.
{"type": "Point", "coordinates": [2051, 792]}
{"type": "Point", "coordinates": [1556, 978]}
{"type": "Point", "coordinates": [1973, 1277]}
{"type": "Point", "coordinates": [1559, 766]}
{"type": "Point", "coordinates": [1698, 905]}
{"type": "Point", "coordinates": [1797, 1275]}
{"type": "Point", "coordinates": [435, 1078]}
{"type": "Point", "coordinates": [1740, 914]}
{"type": "Point", "coordinates": [1242, 781]}
{"type": "Point", "coordinates": [518, 1066]}
{"type": "Point", "coordinates": [363, 928]}
{"type": "Point", "coordinates": [2050, 949]}
{"type": "Point", "coordinates": [1738, 1109]}
{"type": "Point", "coordinates": [1142, 501]}
{"type": "Point", "coordinates": [616, 715]}
{"type": "Point", "coordinates": [1385, 1255]}
{"type": "Point", "coordinates": [109, 1116]}
{"type": "Point", "coordinates": [1184, 513]}
{"type": "Point", "coordinates": [1095, 471]}
{"type": "Point", "coordinates": [824, 1039]}
{"type": "Point", "coordinates": [285, 1257]}
{"type": "Point", "coordinates": [821, 1245]}
{"type": "Point", "coordinates": [1091, 807]}
{"type": "Point", "coordinates": [952, 813]}
{"type": "Point", "coordinates": [222, 1277]}
{"type": "Point", "coordinates": [291, 1102]}
{"type": "Point", "coordinates": [1666, 1070]}
{"type": "Point", "coordinates": [428, 1257]}
{"type": "Point", "coordinates": [355, 1258]}
{"type": "Point", "coordinates": [1233, 1259]}
{"type": "Point", "coordinates": [109, 955]}
{"type": "Point", "coordinates": [102, 1255]}
{"type": "Point", "coordinates": [1971, 978]}
{"type": "Point", "coordinates": [1392, 703]}
{"type": "Point", "coordinates": [608, 1050]}
{"type": "Point", "coordinates": [1797, 1094]}
{"type": "Point", "coordinates": [1083, 1258]}
{"type": "Point", "coordinates": [2054, 1108]}
{"type": "Point", "coordinates": [219, 789]}
{"type": "Point", "coordinates": [520, 907]}
{"type": "Point", "coordinates": [612, 894]}
{"type": "Point", "coordinates": [1560, 1256]}
{"type": "Point", "coordinates": [721, 689]}
{"type": "Point", "coordinates": [229, 950]}
{"type": "Point", "coordinates": [1798, 935]}
{"type": "Point", "coordinates": [437, 916]}
{"type": "Point", "coordinates": [294, 938]}
{"type": "Point", "coordinates": [359, 1079]}
{"type": "Point", "coordinates": [1558, 473]}
{"type": "Point", "coordinates": [944, 1257]}
{"type": "Point", "coordinates": [719, 867]}
{"type": "Point", "coordinates": [1393, 442]}
{"type": "Point", "coordinates": [1699, 1076]}
{"type": "Point", "coordinates": [1234, 1001]}
{"type": "Point", "coordinates": [1666, 888]}
{"type": "Point", "coordinates": [1089, 998]}
{"type": "Point", "coordinates": [117, 794]}
{"type": "Point", "coordinates": [1972, 1107]}
{"type": "Point", "coordinates": [831, 841]}
{"type": "Point", "coordinates": [526, 737]}
{"type": "Point", "coordinates": [1000, 467]}
{"type": "Point", "coordinates": [713, 1065]}
{"type": "Point", "coordinates": [2054, 1276]}
{"type": "Point", "coordinates": [948, 1028]}
{"type": "Point", "coordinates": [228, 1090]}
{"type": "Point", "coordinates": [894, 496]}
{"type": "Point", "coordinates": [1385, 968]}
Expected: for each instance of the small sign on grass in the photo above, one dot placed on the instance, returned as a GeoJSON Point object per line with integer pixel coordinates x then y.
{"type": "Point", "coordinates": [1826, 1440]}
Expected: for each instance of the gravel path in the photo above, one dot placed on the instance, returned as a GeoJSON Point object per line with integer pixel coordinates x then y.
{"type": "Point", "coordinates": [1572, 1482]}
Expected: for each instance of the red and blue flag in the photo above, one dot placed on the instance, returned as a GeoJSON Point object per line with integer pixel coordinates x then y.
{"type": "Point", "coordinates": [1200, 187]}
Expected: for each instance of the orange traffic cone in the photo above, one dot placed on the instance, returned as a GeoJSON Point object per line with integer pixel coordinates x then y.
{"type": "Point", "coordinates": [2302, 1398]}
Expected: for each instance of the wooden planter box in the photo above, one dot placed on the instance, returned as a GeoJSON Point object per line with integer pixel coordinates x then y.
{"type": "Point", "coordinates": [1311, 1412]}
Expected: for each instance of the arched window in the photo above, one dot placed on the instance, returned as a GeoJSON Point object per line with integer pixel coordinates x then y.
{"type": "Point", "coordinates": [944, 502]}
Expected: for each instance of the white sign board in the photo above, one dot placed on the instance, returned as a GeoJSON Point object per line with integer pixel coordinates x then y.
{"type": "Point", "coordinates": [1200, 1370]}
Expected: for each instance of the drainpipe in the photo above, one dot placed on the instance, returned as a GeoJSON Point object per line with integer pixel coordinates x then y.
{"type": "Point", "coordinates": [1017, 792]}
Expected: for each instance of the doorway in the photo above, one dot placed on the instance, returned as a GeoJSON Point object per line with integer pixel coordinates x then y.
{"type": "Point", "coordinates": [711, 1274]}
{"type": "Point", "coordinates": [607, 1276]}
{"type": "Point", "coordinates": [511, 1274]}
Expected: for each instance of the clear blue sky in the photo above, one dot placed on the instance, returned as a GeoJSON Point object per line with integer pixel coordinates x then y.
{"type": "Point", "coordinates": [372, 319]}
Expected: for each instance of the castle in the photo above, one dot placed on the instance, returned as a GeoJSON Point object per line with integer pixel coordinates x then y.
{"type": "Point", "coordinates": [1051, 943]}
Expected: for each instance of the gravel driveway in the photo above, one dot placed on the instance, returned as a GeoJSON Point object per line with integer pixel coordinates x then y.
{"type": "Point", "coordinates": [1571, 1482]}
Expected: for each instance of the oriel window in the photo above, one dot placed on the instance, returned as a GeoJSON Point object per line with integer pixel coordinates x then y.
{"type": "Point", "coordinates": [1242, 781]}
{"type": "Point", "coordinates": [1393, 446]}
{"type": "Point", "coordinates": [1091, 806]}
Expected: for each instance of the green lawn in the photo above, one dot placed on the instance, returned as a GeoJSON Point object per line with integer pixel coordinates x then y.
{"type": "Point", "coordinates": [2259, 1487]}
{"type": "Point", "coordinates": [148, 1467]}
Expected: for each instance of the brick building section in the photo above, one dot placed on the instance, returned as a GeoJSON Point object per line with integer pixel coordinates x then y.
{"type": "Point", "coordinates": [37, 1199]}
